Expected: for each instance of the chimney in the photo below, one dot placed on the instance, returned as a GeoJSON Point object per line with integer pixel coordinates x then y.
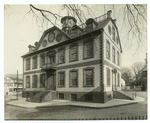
{"type": "Point", "coordinates": [109, 14]}
{"type": "Point", "coordinates": [31, 48]}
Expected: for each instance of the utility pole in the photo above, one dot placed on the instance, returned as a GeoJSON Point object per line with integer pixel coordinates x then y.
{"type": "Point", "coordinates": [17, 85]}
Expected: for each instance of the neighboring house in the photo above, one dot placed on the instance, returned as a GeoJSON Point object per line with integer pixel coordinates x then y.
{"type": "Point", "coordinates": [144, 76]}
{"type": "Point", "coordinates": [76, 62]}
{"type": "Point", "coordinates": [11, 86]}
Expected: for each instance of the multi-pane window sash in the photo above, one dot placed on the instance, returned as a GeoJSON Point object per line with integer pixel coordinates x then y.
{"type": "Point", "coordinates": [61, 82]}
{"type": "Point", "coordinates": [61, 56]}
{"type": "Point", "coordinates": [73, 53]}
{"type": "Point", "coordinates": [108, 77]}
{"type": "Point", "coordinates": [88, 49]}
{"type": "Point", "coordinates": [28, 64]}
{"type": "Point", "coordinates": [42, 60]}
{"type": "Point", "coordinates": [108, 50]}
{"type": "Point", "coordinates": [34, 82]}
{"type": "Point", "coordinates": [42, 80]}
{"type": "Point", "coordinates": [88, 77]}
{"type": "Point", "coordinates": [113, 33]}
{"type": "Point", "coordinates": [27, 81]}
{"type": "Point", "coordinates": [73, 78]}
{"type": "Point", "coordinates": [113, 54]}
{"type": "Point", "coordinates": [118, 58]}
{"type": "Point", "coordinates": [118, 80]}
{"type": "Point", "coordinates": [35, 62]}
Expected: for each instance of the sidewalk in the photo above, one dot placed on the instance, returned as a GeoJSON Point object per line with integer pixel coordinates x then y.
{"type": "Point", "coordinates": [21, 102]}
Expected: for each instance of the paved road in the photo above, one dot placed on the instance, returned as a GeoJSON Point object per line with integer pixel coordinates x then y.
{"type": "Point", "coordinates": [69, 112]}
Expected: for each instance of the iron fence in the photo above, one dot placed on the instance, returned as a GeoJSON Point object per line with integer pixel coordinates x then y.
{"type": "Point", "coordinates": [114, 118]}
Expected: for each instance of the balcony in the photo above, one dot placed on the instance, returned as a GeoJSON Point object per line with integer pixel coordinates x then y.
{"type": "Point", "coordinates": [49, 66]}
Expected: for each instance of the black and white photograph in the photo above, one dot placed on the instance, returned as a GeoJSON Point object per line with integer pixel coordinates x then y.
{"type": "Point", "coordinates": [70, 61]}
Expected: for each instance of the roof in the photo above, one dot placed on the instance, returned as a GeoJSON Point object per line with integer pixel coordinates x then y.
{"type": "Point", "coordinates": [100, 26]}
{"type": "Point", "coordinates": [143, 69]}
{"type": "Point", "coordinates": [82, 36]}
{"type": "Point", "coordinates": [14, 76]}
{"type": "Point", "coordinates": [43, 35]}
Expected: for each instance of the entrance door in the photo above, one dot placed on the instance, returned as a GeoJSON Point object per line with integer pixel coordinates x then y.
{"type": "Point", "coordinates": [50, 81]}
{"type": "Point", "coordinates": [114, 81]}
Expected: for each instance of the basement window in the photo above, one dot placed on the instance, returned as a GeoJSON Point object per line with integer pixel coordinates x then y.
{"type": "Point", "coordinates": [73, 96]}
{"type": "Point", "coordinates": [88, 98]}
{"type": "Point", "coordinates": [61, 96]}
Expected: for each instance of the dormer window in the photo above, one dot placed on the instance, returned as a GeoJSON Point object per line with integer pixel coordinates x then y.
{"type": "Point", "coordinates": [42, 59]}
{"type": "Point", "coordinates": [90, 24]}
{"type": "Point", "coordinates": [113, 33]}
{"type": "Point", "coordinates": [28, 64]}
{"type": "Point", "coordinates": [76, 30]}
{"type": "Point", "coordinates": [35, 62]}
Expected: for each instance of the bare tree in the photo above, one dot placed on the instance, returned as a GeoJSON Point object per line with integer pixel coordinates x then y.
{"type": "Point", "coordinates": [126, 75]}
{"type": "Point", "coordinates": [137, 67]}
{"type": "Point", "coordinates": [135, 16]}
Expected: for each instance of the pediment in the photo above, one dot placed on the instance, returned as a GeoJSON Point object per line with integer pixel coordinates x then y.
{"type": "Point", "coordinates": [51, 37]}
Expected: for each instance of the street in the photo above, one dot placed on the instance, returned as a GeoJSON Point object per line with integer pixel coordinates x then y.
{"type": "Point", "coordinates": [70, 112]}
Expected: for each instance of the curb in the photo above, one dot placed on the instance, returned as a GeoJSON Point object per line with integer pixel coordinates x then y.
{"type": "Point", "coordinates": [86, 106]}
{"type": "Point", "coordinates": [74, 105]}
{"type": "Point", "coordinates": [21, 106]}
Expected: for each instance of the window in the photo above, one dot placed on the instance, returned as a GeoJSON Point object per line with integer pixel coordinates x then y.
{"type": "Point", "coordinates": [34, 62]}
{"type": "Point", "coordinates": [42, 61]}
{"type": "Point", "coordinates": [118, 58]}
{"type": "Point", "coordinates": [61, 55]}
{"type": "Point", "coordinates": [42, 80]}
{"type": "Point", "coordinates": [73, 78]}
{"type": "Point", "coordinates": [34, 81]}
{"type": "Point", "coordinates": [88, 98]}
{"type": "Point", "coordinates": [108, 77]}
{"type": "Point", "coordinates": [28, 64]}
{"type": "Point", "coordinates": [113, 54]}
{"type": "Point", "coordinates": [88, 77]}
{"type": "Point", "coordinates": [108, 50]}
{"type": "Point", "coordinates": [88, 49]}
{"type": "Point", "coordinates": [61, 82]}
{"type": "Point", "coordinates": [61, 96]}
{"type": "Point", "coordinates": [73, 96]}
{"type": "Point", "coordinates": [109, 29]}
{"type": "Point", "coordinates": [113, 33]}
{"type": "Point", "coordinates": [73, 52]}
{"type": "Point", "coordinates": [89, 27]}
{"type": "Point", "coordinates": [75, 32]}
{"type": "Point", "coordinates": [118, 80]}
{"type": "Point", "coordinates": [117, 39]}
{"type": "Point", "coordinates": [27, 81]}
{"type": "Point", "coordinates": [10, 89]}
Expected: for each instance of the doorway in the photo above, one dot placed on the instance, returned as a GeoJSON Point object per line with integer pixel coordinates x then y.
{"type": "Point", "coordinates": [114, 81]}
{"type": "Point", "coordinates": [51, 81]}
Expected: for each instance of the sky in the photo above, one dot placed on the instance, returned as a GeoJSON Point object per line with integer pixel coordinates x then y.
{"type": "Point", "coordinates": [20, 30]}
